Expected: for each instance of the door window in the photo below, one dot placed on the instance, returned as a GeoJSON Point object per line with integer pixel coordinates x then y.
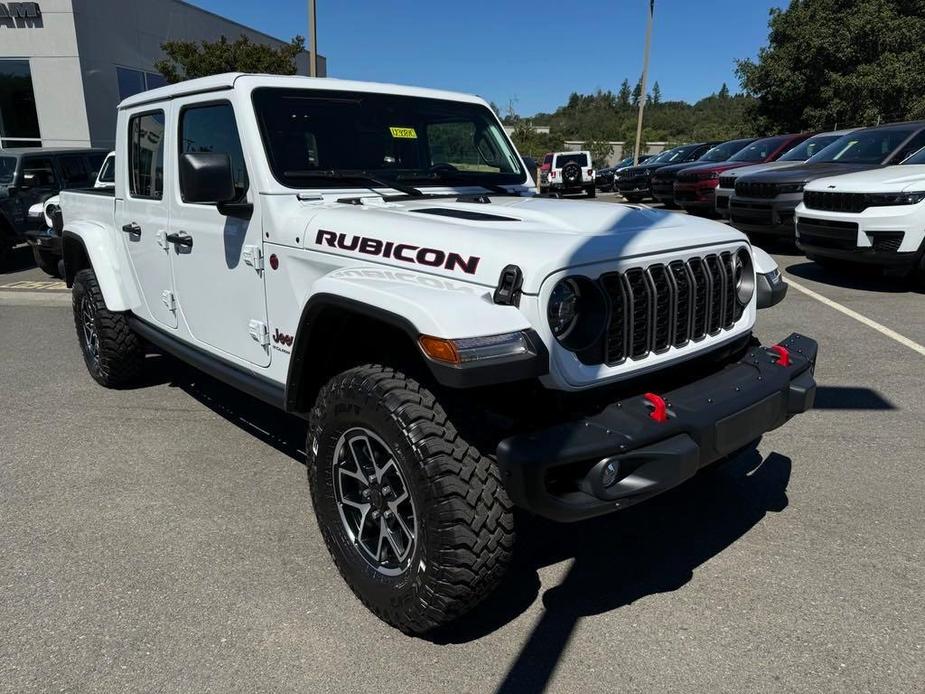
{"type": "Point", "coordinates": [146, 155]}
{"type": "Point", "coordinates": [73, 171]}
{"type": "Point", "coordinates": [37, 172]}
{"type": "Point", "coordinates": [212, 128]}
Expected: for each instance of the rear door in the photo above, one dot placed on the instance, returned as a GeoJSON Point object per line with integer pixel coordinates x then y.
{"type": "Point", "coordinates": [218, 271]}
{"type": "Point", "coordinates": [143, 216]}
{"type": "Point", "coordinates": [37, 183]}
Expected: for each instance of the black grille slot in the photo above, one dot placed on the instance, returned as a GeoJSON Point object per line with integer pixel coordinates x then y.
{"type": "Point", "coordinates": [615, 349]}
{"type": "Point", "coordinates": [727, 181]}
{"type": "Point", "coordinates": [641, 307]}
{"type": "Point", "coordinates": [683, 289]}
{"type": "Point", "coordinates": [717, 288]}
{"type": "Point", "coordinates": [661, 330]}
{"type": "Point", "coordinates": [887, 241]}
{"type": "Point", "coordinates": [656, 307]}
{"type": "Point", "coordinates": [701, 298]}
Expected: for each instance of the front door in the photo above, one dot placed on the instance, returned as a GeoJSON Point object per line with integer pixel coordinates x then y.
{"type": "Point", "coordinates": [218, 270]}
{"type": "Point", "coordinates": [142, 217]}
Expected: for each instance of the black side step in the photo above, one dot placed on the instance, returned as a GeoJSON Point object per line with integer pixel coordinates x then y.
{"type": "Point", "coordinates": [244, 380]}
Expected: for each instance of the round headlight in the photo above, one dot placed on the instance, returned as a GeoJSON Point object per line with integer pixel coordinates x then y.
{"type": "Point", "coordinates": [563, 307]}
{"type": "Point", "coordinates": [743, 276]}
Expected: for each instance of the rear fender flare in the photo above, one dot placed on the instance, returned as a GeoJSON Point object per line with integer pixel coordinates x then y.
{"type": "Point", "coordinates": [86, 244]}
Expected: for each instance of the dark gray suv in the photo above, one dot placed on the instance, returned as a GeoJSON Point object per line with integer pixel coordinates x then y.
{"type": "Point", "coordinates": [29, 176]}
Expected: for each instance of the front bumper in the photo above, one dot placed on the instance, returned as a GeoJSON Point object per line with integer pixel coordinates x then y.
{"type": "Point", "coordinates": [890, 236]}
{"type": "Point", "coordinates": [721, 199]}
{"type": "Point", "coordinates": [695, 195]}
{"type": "Point", "coordinates": [556, 472]}
{"type": "Point", "coordinates": [765, 216]}
{"type": "Point", "coordinates": [663, 190]}
{"type": "Point", "coordinates": [636, 185]}
{"type": "Point", "coordinates": [45, 240]}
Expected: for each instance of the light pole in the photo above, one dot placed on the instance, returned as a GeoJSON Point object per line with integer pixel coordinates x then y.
{"type": "Point", "coordinates": [645, 76]}
{"type": "Point", "coordinates": [312, 40]}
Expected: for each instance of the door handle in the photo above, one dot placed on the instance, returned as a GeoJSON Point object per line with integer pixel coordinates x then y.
{"type": "Point", "coordinates": [132, 228]}
{"type": "Point", "coordinates": [180, 239]}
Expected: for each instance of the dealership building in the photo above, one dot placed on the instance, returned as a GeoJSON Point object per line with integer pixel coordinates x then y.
{"type": "Point", "coordinates": [66, 64]}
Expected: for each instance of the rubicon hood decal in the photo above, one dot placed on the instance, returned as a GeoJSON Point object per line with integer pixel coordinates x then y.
{"type": "Point", "coordinates": [405, 252]}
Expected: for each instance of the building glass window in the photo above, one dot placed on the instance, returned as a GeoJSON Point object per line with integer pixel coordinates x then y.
{"type": "Point", "coordinates": [19, 121]}
{"type": "Point", "coordinates": [133, 82]}
{"type": "Point", "coordinates": [146, 155]}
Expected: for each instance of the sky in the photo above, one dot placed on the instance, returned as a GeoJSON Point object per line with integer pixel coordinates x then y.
{"type": "Point", "coordinates": [528, 54]}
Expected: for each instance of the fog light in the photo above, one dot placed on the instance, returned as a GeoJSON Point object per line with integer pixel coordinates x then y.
{"type": "Point", "coordinates": [609, 473]}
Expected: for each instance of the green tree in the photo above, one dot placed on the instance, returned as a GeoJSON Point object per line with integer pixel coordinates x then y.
{"type": "Point", "coordinates": [189, 59]}
{"type": "Point", "coordinates": [723, 92]}
{"type": "Point", "coordinates": [625, 94]}
{"type": "Point", "coordinates": [850, 62]}
{"type": "Point", "coordinates": [637, 93]}
{"type": "Point", "coordinates": [656, 94]}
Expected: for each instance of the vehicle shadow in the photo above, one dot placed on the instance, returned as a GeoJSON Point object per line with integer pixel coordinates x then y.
{"type": "Point", "coordinates": [616, 560]}
{"type": "Point", "coordinates": [284, 432]}
{"type": "Point", "coordinates": [20, 259]}
{"type": "Point", "coordinates": [859, 277]}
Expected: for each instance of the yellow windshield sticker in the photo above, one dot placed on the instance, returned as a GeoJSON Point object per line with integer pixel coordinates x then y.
{"type": "Point", "coordinates": [404, 133]}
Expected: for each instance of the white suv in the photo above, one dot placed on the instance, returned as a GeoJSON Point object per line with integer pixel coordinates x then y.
{"type": "Point", "coordinates": [569, 172]}
{"type": "Point", "coordinates": [875, 217]}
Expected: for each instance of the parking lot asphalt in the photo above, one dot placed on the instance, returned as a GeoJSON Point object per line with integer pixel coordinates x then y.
{"type": "Point", "coordinates": [162, 539]}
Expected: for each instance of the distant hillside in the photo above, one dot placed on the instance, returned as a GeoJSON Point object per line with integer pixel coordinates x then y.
{"type": "Point", "coordinates": [607, 116]}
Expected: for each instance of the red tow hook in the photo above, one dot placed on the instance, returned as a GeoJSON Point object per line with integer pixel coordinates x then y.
{"type": "Point", "coordinates": [783, 355]}
{"type": "Point", "coordinates": [659, 409]}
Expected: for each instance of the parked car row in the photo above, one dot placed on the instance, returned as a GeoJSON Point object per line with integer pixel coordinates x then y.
{"type": "Point", "coordinates": [28, 178]}
{"type": "Point", "coordinates": [850, 195]}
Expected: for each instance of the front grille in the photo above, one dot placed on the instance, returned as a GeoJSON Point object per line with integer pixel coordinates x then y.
{"type": "Point", "coordinates": [756, 189]}
{"type": "Point", "coordinates": [722, 202]}
{"type": "Point", "coordinates": [660, 306]}
{"type": "Point", "coordinates": [687, 177]}
{"type": "Point", "coordinates": [834, 202]}
{"type": "Point", "coordinates": [727, 181]}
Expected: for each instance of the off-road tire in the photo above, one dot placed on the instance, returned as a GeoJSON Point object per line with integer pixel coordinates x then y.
{"type": "Point", "coordinates": [571, 174]}
{"type": "Point", "coordinates": [464, 520]}
{"type": "Point", "coordinates": [120, 352]}
{"type": "Point", "coordinates": [591, 191]}
{"type": "Point", "coordinates": [47, 262]}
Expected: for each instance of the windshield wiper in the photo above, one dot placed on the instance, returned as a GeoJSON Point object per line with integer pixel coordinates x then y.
{"type": "Point", "coordinates": [458, 180]}
{"type": "Point", "coordinates": [351, 175]}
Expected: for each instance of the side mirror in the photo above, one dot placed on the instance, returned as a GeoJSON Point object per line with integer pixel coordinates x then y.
{"type": "Point", "coordinates": [205, 177]}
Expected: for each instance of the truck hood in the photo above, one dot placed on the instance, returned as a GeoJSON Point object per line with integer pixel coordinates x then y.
{"type": "Point", "coordinates": [891, 179]}
{"type": "Point", "coordinates": [474, 242]}
{"type": "Point", "coordinates": [802, 173]}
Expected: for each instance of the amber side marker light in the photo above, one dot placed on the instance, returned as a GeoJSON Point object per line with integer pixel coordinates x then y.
{"type": "Point", "coordinates": [439, 349]}
{"type": "Point", "coordinates": [466, 351]}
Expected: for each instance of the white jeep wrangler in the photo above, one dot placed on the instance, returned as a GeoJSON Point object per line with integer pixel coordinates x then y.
{"type": "Point", "coordinates": [569, 172]}
{"type": "Point", "coordinates": [370, 258]}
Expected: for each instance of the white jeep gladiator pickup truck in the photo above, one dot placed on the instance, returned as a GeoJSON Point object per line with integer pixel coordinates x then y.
{"type": "Point", "coordinates": [370, 257]}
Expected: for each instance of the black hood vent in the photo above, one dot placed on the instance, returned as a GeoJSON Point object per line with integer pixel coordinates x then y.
{"type": "Point", "coordinates": [466, 214]}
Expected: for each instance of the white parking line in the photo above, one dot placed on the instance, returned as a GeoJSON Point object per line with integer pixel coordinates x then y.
{"type": "Point", "coordinates": [892, 334]}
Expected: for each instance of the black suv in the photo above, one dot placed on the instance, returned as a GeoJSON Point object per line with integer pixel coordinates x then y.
{"type": "Point", "coordinates": [30, 176]}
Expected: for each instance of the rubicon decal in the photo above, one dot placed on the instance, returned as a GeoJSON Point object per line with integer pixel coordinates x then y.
{"type": "Point", "coordinates": [405, 252]}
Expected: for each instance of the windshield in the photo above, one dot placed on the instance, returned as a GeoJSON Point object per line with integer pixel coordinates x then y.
{"type": "Point", "coordinates": [7, 170]}
{"type": "Point", "coordinates": [680, 154]}
{"type": "Point", "coordinates": [808, 148]}
{"type": "Point", "coordinates": [724, 151]}
{"type": "Point", "coordinates": [760, 150]}
{"type": "Point", "coordinates": [863, 147]}
{"type": "Point", "coordinates": [917, 158]}
{"type": "Point", "coordinates": [386, 136]}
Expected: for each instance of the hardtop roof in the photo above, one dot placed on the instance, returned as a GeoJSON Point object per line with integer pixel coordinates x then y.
{"type": "Point", "coordinates": [230, 80]}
